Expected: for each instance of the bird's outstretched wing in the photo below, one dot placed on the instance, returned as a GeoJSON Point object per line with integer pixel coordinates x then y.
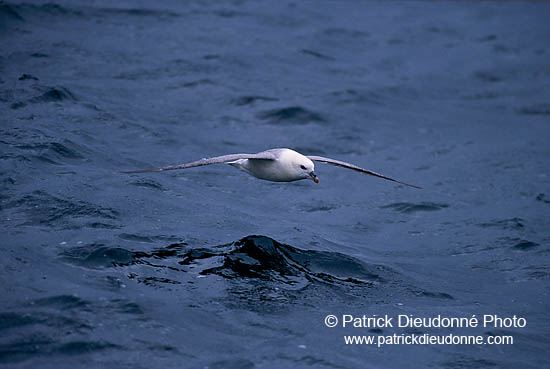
{"type": "Point", "coordinates": [207, 161]}
{"type": "Point", "coordinates": [355, 167]}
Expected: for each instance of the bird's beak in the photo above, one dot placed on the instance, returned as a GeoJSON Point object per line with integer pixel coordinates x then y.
{"type": "Point", "coordinates": [313, 177]}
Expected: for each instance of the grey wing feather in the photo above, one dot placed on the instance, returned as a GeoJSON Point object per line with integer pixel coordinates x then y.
{"type": "Point", "coordinates": [355, 167]}
{"type": "Point", "coordinates": [207, 161]}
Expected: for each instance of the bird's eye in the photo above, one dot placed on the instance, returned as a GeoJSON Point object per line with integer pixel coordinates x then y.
{"type": "Point", "coordinates": [303, 167]}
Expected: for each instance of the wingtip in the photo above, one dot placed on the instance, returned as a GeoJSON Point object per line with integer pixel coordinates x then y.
{"type": "Point", "coordinates": [413, 186]}
{"type": "Point", "coordinates": [407, 184]}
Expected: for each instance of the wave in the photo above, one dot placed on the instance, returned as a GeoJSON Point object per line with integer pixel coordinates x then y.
{"type": "Point", "coordinates": [257, 262]}
{"type": "Point", "coordinates": [410, 208]}
{"type": "Point", "coordinates": [291, 115]}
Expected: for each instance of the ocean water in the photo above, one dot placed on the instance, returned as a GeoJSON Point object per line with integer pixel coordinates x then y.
{"type": "Point", "coordinates": [212, 268]}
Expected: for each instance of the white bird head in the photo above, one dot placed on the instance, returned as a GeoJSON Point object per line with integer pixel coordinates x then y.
{"type": "Point", "coordinates": [302, 166]}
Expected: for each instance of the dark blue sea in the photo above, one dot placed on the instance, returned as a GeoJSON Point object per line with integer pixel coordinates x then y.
{"type": "Point", "coordinates": [211, 268]}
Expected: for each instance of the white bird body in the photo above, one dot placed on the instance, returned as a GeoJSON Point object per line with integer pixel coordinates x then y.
{"type": "Point", "coordinates": [287, 168]}
{"type": "Point", "coordinates": [276, 165]}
